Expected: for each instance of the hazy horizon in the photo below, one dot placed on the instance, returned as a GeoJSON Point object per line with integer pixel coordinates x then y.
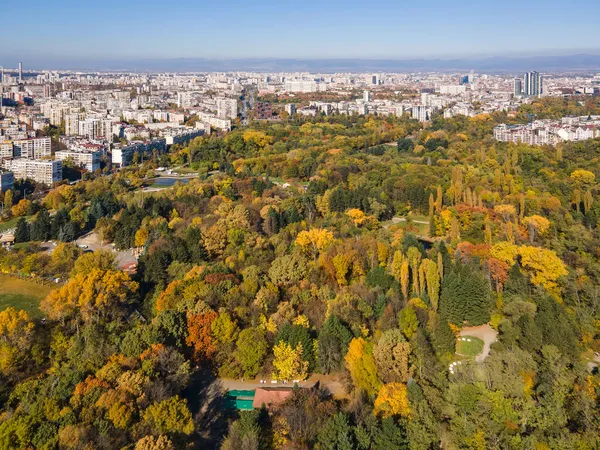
{"type": "Point", "coordinates": [580, 61]}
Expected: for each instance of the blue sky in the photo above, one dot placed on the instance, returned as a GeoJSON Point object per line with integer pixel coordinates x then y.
{"type": "Point", "coordinates": [130, 29]}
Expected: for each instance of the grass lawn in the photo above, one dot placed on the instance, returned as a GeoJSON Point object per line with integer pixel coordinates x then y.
{"type": "Point", "coordinates": [9, 224]}
{"type": "Point", "coordinates": [420, 229]}
{"type": "Point", "coordinates": [23, 294]}
{"type": "Point", "coordinates": [469, 346]}
{"type": "Point", "coordinates": [185, 170]}
{"type": "Point", "coordinates": [418, 217]}
{"type": "Point", "coordinates": [588, 355]}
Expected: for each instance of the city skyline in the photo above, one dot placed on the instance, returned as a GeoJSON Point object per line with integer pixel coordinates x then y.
{"type": "Point", "coordinates": [134, 30]}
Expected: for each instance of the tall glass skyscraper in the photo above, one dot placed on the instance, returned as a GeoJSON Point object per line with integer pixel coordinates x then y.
{"type": "Point", "coordinates": [532, 84]}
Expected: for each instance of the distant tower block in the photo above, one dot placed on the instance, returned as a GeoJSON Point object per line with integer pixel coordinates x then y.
{"type": "Point", "coordinates": [20, 72]}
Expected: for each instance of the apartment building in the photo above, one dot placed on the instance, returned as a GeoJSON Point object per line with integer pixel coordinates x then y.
{"type": "Point", "coordinates": [181, 135]}
{"type": "Point", "coordinates": [122, 157]}
{"type": "Point", "coordinates": [72, 124]}
{"type": "Point", "coordinates": [421, 113]}
{"type": "Point", "coordinates": [45, 172]}
{"type": "Point", "coordinates": [7, 181]}
{"type": "Point", "coordinates": [227, 108]}
{"type": "Point", "coordinates": [90, 160]}
{"type": "Point", "coordinates": [6, 150]}
{"type": "Point", "coordinates": [290, 108]}
{"type": "Point", "coordinates": [37, 148]}
{"type": "Point", "coordinates": [304, 86]}
{"type": "Point", "coordinates": [222, 124]}
{"type": "Point", "coordinates": [91, 128]}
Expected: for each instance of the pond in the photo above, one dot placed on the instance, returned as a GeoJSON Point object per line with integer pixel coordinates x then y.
{"type": "Point", "coordinates": [167, 182]}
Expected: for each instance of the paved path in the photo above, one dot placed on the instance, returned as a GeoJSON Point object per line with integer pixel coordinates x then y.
{"type": "Point", "coordinates": [403, 219]}
{"type": "Point", "coordinates": [484, 332]}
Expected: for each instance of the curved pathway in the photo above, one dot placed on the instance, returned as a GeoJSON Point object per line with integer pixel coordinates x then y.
{"type": "Point", "coordinates": [484, 332]}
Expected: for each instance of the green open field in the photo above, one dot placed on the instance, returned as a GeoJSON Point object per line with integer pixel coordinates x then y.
{"type": "Point", "coordinates": [23, 294]}
{"type": "Point", "coordinates": [469, 346]}
{"type": "Point", "coordinates": [415, 224]}
{"type": "Point", "coordinates": [8, 224]}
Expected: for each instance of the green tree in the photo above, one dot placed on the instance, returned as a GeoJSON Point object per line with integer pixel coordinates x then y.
{"type": "Point", "coordinates": [405, 145]}
{"type": "Point", "coordinates": [408, 322]}
{"type": "Point", "coordinates": [336, 434]}
{"type": "Point", "coordinates": [40, 227]}
{"type": "Point", "coordinates": [8, 202]}
{"type": "Point", "coordinates": [22, 231]}
{"type": "Point", "coordinates": [251, 349]}
{"type": "Point", "coordinates": [391, 355]}
{"type": "Point", "coordinates": [465, 296]}
{"type": "Point", "coordinates": [333, 340]}
{"type": "Point", "coordinates": [170, 416]}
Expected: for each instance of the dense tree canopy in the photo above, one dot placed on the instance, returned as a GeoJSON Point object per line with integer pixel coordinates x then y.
{"type": "Point", "coordinates": [312, 249]}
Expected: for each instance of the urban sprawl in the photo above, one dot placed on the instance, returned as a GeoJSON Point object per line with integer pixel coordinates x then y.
{"type": "Point", "coordinates": [99, 122]}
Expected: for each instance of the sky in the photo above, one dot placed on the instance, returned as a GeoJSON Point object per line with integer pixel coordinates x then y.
{"type": "Point", "coordinates": [85, 30]}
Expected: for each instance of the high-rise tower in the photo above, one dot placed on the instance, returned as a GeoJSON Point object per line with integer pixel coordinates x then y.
{"type": "Point", "coordinates": [533, 84]}
{"type": "Point", "coordinates": [518, 87]}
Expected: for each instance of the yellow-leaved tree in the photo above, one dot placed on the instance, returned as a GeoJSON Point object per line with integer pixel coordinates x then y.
{"type": "Point", "coordinates": [314, 240]}
{"type": "Point", "coordinates": [360, 219]}
{"type": "Point", "coordinates": [582, 177]}
{"type": "Point", "coordinates": [289, 363]}
{"type": "Point", "coordinates": [537, 225]}
{"type": "Point", "coordinates": [16, 338]}
{"type": "Point", "coordinates": [361, 365]}
{"type": "Point", "coordinates": [392, 400]}
{"type": "Point", "coordinates": [543, 266]}
{"type": "Point", "coordinates": [98, 293]}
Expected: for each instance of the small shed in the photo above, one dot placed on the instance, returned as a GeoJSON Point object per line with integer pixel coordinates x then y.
{"type": "Point", "coordinates": [7, 240]}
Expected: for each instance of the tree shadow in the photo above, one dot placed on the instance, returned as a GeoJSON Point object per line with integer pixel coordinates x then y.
{"type": "Point", "coordinates": [211, 415]}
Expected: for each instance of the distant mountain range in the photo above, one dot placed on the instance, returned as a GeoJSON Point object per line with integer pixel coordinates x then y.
{"type": "Point", "coordinates": [496, 64]}
{"type": "Point", "coordinates": [581, 62]}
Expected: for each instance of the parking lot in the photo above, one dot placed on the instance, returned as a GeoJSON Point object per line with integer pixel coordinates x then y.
{"type": "Point", "coordinates": [91, 241]}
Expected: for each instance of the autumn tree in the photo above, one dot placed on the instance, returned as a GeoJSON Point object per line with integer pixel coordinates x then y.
{"type": "Point", "coordinates": [161, 442]}
{"type": "Point", "coordinates": [100, 259]}
{"type": "Point", "coordinates": [432, 278]}
{"type": "Point", "coordinates": [391, 355]}
{"type": "Point", "coordinates": [93, 295]}
{"type": "Point", "coordinates": [288, 269]}
{"type": "Point", "coordinates": [392, 400]}
{"type": "Point", "coordinates": [313, 241]}
{"type": "Point", "coordinates": [22, 208]}
{"type": "Point", "coordinates": [16, 338]}
{"type": "Point", "coordinates": [582, 177]}
{"type": "Point", "coordinates": [169, 416]}
{"type": "Point", "coordinates": [289, 363]}
{"type": "Point", "coordinates": [543, 266]}
{"type": "Point", "coordinates": [199, 335]}
{"type": "Point", "coordinates": [414, 258]}
{"type": "Point", "coordinates": [537, 225]}
{"type": "Point", "coordinates": [361, 365]}
{"type": "Point", "coordinates": [8, 202]}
